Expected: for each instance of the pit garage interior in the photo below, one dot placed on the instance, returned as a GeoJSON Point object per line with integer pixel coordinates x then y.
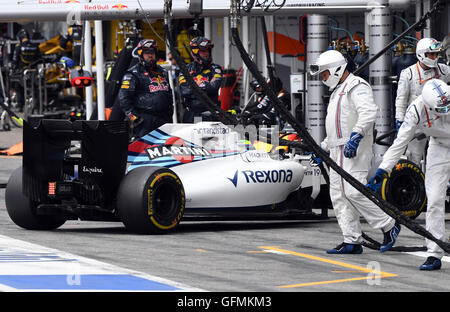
{"type": "Point", "coordinates": [294, 41]}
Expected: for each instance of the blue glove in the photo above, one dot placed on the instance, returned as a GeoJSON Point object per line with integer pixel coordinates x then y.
{"type": "Point", "coordinates": [315, 158]}
{"type": "Point", "coordinates": [398, 124]}
{"type": "Point", "coordinates": [352, 145]}
{"type": "Point", "coordinates": [67, 61]}
{"type": "Point", "coordinates": [376, 181]}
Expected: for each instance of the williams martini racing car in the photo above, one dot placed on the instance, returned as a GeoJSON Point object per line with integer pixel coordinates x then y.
{"type": "Point", "coordinates": [176, 172]}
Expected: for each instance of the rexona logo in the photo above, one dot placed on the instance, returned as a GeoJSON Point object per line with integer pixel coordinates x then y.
{"type": "Point", "coordinates": [263, 176]}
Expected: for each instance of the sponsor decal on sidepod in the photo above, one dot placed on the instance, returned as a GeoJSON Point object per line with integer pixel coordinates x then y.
{"type": "Point", "coordinates": [263, 176]}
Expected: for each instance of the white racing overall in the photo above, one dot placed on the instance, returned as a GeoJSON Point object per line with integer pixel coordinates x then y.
{"type": "Point", "coordinates": [410, 85]}
{"type": "Point", "coordinates": [437, 172]}
{"type": "Point", "coordinates": [352, 109]}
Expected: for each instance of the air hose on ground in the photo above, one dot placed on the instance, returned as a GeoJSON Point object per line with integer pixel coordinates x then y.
{"type": "Point", "coordinates": [287, 116]}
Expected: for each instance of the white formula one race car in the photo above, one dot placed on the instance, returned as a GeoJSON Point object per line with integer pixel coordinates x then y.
{"type": "Point", "coordinates": [212, 173]}
{"type": "Point", "coordinates": [177, 172]}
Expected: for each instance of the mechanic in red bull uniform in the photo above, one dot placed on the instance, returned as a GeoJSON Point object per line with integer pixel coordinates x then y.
{"type": "Point", "coordinates": [145, 95]}
{"type": "Point", "coordinates": [206, 74]}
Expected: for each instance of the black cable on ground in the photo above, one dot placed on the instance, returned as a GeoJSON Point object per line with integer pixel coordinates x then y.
{"type": "Point", "coordinates": [287, 116]}
{"type": "Point", "coordinates": [373, 244]}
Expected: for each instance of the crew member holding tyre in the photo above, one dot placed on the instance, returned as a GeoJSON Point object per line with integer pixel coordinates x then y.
{"type": "Point", "coordinates": [349, 126]}
{"type": "Point", "coordinates": [430, 114]}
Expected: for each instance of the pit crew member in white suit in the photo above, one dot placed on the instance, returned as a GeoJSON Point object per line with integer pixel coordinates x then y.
{"type": "Point", "coordinates": [429, 113]}
{"type": "Point", "coordinates": [349, 137]}
{"type": "Point", "coordinates": [410, 85]}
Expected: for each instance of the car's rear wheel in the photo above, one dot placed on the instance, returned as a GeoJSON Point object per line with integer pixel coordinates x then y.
{"type": "Point", "coordinates": [151, 200]}
{"type": "Point", "coordinates": [405, 188]}
{"type": "Point", "coordinates": [22, 210]}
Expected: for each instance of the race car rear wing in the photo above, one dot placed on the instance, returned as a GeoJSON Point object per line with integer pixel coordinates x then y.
{"type": "Point", "coordinates": [100, 166]}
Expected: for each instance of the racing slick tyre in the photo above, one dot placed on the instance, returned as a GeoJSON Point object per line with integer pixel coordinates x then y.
{"type": "Point", "coordinates": [151, 200]}
{"type": "Point", "coordinates": [405, 188]}
{"type": "Point", "coordinates": [22, 210]}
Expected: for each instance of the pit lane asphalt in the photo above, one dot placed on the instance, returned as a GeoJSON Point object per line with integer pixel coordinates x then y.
{"type": "Point", "coordinates": [257, 256]}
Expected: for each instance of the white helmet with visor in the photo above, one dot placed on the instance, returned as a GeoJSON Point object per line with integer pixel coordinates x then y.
{"type": "Point", "coordinates": [334, 62]}
{"type": "Point", "coordinates": [436, 96]}
{"type": "Point", "coordinates": [428, 45]}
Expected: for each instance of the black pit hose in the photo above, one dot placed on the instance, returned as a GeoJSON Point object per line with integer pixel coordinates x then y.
{"type": "Point", "coordinates": [215, 110]}
{"type": "Point", "coordinates": [308, 140]}
{"type": "Point", "coordinates": [373, 244]}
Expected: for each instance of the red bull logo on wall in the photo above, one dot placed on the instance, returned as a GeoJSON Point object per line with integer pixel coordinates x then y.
{"type": "Point", "coordinates": [120, 6]}
{"type": "Point", "coordinates": [50, 1]}
{"type": "Point", "coordinates": [96, 7]}
{"type": "Point", "coordinates": [100, 7]}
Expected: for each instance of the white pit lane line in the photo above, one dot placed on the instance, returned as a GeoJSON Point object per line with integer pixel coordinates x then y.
{"type": "Point", "coordinates": [29, 267]}
{"type": "Point", "coordinates": [423, 254]}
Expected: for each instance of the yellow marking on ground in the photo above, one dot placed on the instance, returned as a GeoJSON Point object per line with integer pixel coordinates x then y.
{"type": "Point", "coordinates": [201, 250]}
{"type": "Point", "coordinates": [336, 271]}
{"type": "Point", "coordinates": [371, 273]}
{"type": "Point", "coordinates": [325, 282]}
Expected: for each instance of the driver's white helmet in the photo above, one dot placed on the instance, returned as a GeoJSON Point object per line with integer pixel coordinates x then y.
{"type": "Point", "coordinates": [427, 45]}
{"type": "Point", "coordinates": [334, 62]}
{"type": "Point", "coordinates": [436, 96]}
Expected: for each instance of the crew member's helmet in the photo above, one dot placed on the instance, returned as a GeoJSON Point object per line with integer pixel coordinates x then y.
{"type": "Point", "coordinates": [436, 96]}
{"type": "Point", "coordinates": [22, 34]}
{"type": "Point", "coordinates": [147, 46]}
{"type": "Point", "coordinates": [428, 45]}
{"type": "Point", "coordinates": [201, 43]}
{"type": "Point", "coordinates": [334, 62]}
{"type": "Point", "coordinates": [255, 86]}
